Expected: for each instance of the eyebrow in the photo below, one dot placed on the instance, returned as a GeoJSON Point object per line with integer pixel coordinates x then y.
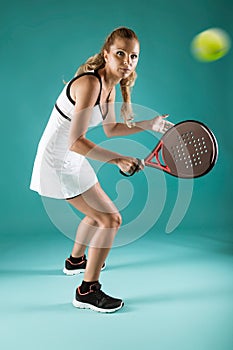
{"type": "Point", "coordinates": [125, 50]}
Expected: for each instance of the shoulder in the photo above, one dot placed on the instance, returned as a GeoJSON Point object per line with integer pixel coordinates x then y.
{"type": "Point", "coordinates": [87, 85]}
{"type": "Point", "coordinates": [87, 81]}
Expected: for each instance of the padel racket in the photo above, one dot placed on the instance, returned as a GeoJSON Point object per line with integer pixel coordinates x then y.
{"type": "Point", "coordinates": [187, 150]}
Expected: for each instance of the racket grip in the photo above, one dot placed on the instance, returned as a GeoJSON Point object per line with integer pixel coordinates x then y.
{"type": "Point", "coordinates": [134, 171]}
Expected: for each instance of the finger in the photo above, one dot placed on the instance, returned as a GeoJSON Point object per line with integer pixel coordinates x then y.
{"type": "Point", "coordinates": [126, 167]}
{"type": "Point", "coordinates": [131, 165]}
{"type": "Point", "coordinates": [137, 168]}
{"type": "Point", "coordinates": [133, 169]}
{"type": "Point", "coordinates": [140, 164]}
{"type": "Point", "coordinates": [166, 126]}
{"type": "Point", "coordinates": [134, 165]}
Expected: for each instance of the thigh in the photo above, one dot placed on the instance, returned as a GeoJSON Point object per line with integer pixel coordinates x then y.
{"type": "Point", "coordinates": [94, 202]}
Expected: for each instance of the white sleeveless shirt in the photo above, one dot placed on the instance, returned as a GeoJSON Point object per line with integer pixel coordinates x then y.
{"type": "Point", "coordinates": [57, 171]}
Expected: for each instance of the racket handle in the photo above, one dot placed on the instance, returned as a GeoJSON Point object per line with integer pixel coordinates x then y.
{"type": "Point", "coordinates": [136, 168]}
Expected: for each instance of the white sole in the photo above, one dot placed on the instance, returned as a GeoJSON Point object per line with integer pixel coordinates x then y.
{"type": "Point", "coordinates": [76, 272]}
{"type": "Point", "coordinates": [81, 305]}
{"type": "Point", "coordinates": [73, 272]}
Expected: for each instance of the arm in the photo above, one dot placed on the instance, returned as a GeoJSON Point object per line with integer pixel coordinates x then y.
{"type": "Point", "coordinates": [121, 129]}
{"type": "Point", "coordinates": [157, 124]}
{"type": "Point", "coordinates": [111, 128]}
{"type": "Point", "coordinates": [86, 91]}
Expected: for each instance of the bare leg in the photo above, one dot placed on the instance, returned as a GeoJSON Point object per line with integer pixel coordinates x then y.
{"type": "Point", "coordinates": [96, 258]}
{"type": "Point", "coordinates": [98, 251]}
{"type": "Point", "coordinates": [86, 227]}
{"type": "Point", "coordinates": [98, 230]}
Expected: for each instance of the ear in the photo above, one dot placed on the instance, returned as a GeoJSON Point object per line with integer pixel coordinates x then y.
{"type": "Point", "coordinates": [105, 55]}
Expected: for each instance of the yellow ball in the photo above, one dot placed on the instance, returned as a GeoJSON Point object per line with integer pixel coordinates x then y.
{"type": "Point", "coordinates": [210, 45]}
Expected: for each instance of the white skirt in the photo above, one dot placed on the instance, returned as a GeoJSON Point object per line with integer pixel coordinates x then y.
{"type": "Point", "coordinates": [62, 179]}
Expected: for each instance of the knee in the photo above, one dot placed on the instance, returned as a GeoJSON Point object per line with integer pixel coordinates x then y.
{"type": "Point", "coordinates": [90, 221]}
{"type": "Point", "coordinates": [113, 220]}
{"type": "Point", "coordinates": [116, 220]}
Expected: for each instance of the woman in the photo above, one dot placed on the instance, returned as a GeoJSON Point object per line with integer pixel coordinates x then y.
{"type": "Point", "coordinates": [62, 171]}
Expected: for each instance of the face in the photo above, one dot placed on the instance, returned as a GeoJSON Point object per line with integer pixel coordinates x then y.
{"type": "Point", "coordinates": [122, 58]}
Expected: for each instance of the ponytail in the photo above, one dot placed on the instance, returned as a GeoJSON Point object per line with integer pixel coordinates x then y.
{"type": "Point", "coordinates": [93, 63]}
{"type": "Point", "coordinates": [126, 108]}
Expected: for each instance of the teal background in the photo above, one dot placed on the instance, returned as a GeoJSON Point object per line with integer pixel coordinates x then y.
{"type": "Point", "coordinates": [177, 288]}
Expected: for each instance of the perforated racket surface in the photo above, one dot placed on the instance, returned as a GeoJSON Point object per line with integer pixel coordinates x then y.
{"type": "Point", "coordinates": [187, 150]}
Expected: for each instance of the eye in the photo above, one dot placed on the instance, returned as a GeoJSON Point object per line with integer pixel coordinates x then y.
{"type": "Point", "coordinates": [134, 56]}
{"type": "Point", "coordinates": [120, 53]}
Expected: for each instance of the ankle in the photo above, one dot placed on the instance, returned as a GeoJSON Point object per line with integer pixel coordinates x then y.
{"type": "Point", "coordinates": [85, 286]}
{"type": "Point", "coordinates": [76, 260]}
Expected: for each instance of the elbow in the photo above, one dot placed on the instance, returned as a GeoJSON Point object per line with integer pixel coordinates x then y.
{"type": "Point", "coordinates": [71, 147]}
{"type": "Point", "coordinates": [109, 130]}
{"type": "Point", "coordinates": [76, 145]}
{"type": "Point", "coordinates": [108, 134]}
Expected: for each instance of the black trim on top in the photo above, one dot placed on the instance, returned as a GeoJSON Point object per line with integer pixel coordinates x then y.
{"type": "Point", "coordinates": [95, 73]}
{"type": "Point", "coordinates": [63, 114]}
{"type": "Point", "coordinates": [103, 115]}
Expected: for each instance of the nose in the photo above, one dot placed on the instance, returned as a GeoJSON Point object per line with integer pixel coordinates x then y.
{"type": "Point", "coordinates": [127, 60]}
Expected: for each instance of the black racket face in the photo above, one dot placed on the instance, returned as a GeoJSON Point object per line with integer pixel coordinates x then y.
{"type": "Point", "coordinates": [189, 149]}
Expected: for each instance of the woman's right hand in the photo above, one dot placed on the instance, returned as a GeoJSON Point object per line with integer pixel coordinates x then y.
{"type": "Point", "coordinates": [129, 164]}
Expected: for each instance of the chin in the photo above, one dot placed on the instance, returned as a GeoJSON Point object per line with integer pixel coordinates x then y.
{"type": "Point", "coordinates": [125, 75]}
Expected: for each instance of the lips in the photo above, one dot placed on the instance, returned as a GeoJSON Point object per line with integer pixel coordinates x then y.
{"type": "Point", "coordinates": [125, 69]}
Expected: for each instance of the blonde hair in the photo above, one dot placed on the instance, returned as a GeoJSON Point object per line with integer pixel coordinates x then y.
{"type": "Point", "coordinates": [97, 62]}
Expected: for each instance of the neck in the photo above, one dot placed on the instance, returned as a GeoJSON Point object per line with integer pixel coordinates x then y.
{"type": "Point", "coordinates": [109, 80]}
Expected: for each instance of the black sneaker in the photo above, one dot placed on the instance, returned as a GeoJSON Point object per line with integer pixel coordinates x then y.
{"type": "Point", "coordinates": [71, 268]}
{"type": "Point", "coordinates": [96, 300]}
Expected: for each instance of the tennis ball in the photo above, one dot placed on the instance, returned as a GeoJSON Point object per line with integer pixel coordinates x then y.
{"type": "Point", "coordinates": [210, 45]}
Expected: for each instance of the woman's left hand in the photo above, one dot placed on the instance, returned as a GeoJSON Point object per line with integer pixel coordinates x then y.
{"type": "Point", "coordinates": [160, 124]}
